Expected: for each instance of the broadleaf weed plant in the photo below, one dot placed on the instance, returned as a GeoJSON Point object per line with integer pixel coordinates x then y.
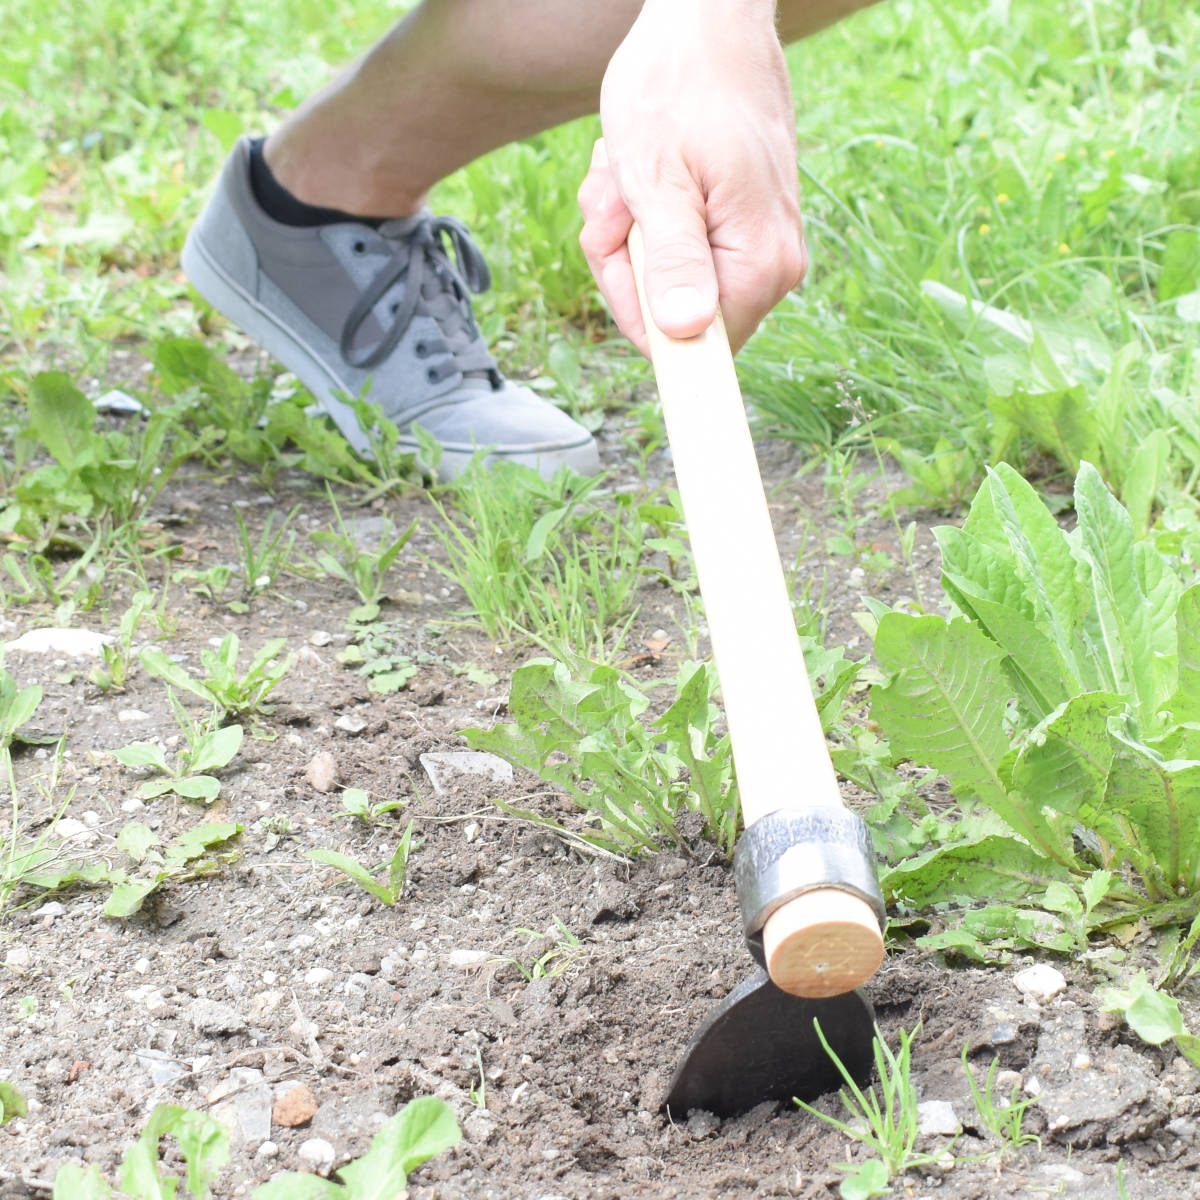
{"type": "Point", "coordinates": [1070, 667]}
{"type": "Point", "coordinates": [389, 889]}
{"type": "Point", "coordinates": [422, 1129]}
{"type": "Point", "coordinates": [343, 554]}
{"type": "Point", "coordinates": [231, 691]}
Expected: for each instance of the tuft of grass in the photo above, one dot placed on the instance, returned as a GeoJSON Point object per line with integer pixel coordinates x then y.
{"type": "Point", "coordinates": [543, 561]}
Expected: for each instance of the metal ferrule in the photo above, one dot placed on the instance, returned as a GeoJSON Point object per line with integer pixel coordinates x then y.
{"type": "Point", "coordinates": [793, 851]}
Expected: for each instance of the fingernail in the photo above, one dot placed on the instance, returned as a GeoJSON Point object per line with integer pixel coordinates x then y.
{"type": "Point", "coordinates": [685, 305]}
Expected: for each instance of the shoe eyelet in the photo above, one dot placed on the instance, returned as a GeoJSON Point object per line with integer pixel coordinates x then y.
{"type": "Point", "coordinates": [394, 308]}
{"type": "Point", "coordinates": [360, 247]}
{"type": "Point", "coordinates": [431, 375]}
{"type": "Point", "coordinates": [420, 348]}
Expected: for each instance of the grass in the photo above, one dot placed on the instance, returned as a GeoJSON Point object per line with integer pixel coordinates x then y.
{"type": "Point", "coordinates": [1037, 162]}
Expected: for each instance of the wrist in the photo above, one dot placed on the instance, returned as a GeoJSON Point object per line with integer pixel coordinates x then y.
{"type": "Point", "coordinates": [718, 10]}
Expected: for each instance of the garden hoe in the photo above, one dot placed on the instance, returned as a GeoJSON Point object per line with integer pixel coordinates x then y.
{"type": "Point", "coordinates": [804, 870]}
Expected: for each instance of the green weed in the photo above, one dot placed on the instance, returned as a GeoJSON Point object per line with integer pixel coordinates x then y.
{"type": "Point", "coordinates": [182, 858]}
{"type": "Point", "coordinates": [343, 555]}
{"type": "Point", "coordinates": [263, 559]}
{"type": "Point", "coordinates": [553, 961]}
{"type": "Point", "coordinates": [228, 691]}
{"type": "Point", "coordinates": [387, 891]}
{"type": "Point", "coordinates": [209, 749]}
{"type": "Point", "coordinates": [883, 1119]}
{"type": "Point", "coordinates": [117, 659]}
{"type": "Point", "coordinates": [1002, 1117]}
{"type": "Point", "coordinates": [357, 803]}
{"type": "Point", "coordinates": [1058, 702]}
{"type": "Point", "coordinates": [542, 560]}
{"type": "Point", "coordinates": [12, 1103]}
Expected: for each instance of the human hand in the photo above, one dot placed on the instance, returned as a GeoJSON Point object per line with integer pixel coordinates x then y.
{"type": "Point", "coordinates": [699, 148]}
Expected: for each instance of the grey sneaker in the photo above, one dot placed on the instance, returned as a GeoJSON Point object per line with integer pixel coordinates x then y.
{"type": "Point", "coordinates": [346, 305]}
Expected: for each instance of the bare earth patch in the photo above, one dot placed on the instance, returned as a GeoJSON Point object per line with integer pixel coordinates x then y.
{"type": "Point", "coordinates": [278, 996]}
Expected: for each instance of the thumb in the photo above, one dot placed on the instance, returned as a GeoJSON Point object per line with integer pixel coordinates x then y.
{"type": "Point", "coordinates": [681, 281]}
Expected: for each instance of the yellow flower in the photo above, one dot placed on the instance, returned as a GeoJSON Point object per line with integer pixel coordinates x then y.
{"type": "Point", "coordinates": [1060, 157]}
{"type": "Point", "coordinates": [1063, 248]}
{"type": "Point", "coordinates": [985, 229]}
{"type": "Point", "coordinates": [1110, 153]}
{"type": "Point", "coordinates": [1002, 198]}
{"type": "Point", "coordinates": [879, 143]}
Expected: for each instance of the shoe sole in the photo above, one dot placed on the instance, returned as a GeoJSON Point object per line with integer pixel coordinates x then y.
{"type": "Point", "coordinates": [282, 342]}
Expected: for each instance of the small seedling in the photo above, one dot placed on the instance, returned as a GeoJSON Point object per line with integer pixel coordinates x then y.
{"type": "Point", "coordinates": [117, 659]}
{"type": "Point", "coordinates": [341, 554]}
{"type": "Point", "coordinates": [883, 1119]}
{"type": "Point", "coordinates": [357, 803]}
{"type": "Point", "coordinates": [264, 560]}
{"type": "Point", "coordinates": [27, 1006]}
{"type": "Point", "coordinates": [154, 866]}
{"type": "Point", "coordinates": [188, 776]}
{"type": "Point", "coordinates": [478, 1094]}
{"type": "Point", "coordinates": [16, 707]}
{"type": "Point", "coordinates": [1002, 1118]}
{"type": "Point", "coordinates": [388, 893]}
{"type": "Point", "coordinates": [12, 1103]}
{"type": "Point", "coordinates": [232, 693]}
{"type": "Point", "coordinates": [379, 650]}
{"type": "Point", "coordinates": [554, 961]}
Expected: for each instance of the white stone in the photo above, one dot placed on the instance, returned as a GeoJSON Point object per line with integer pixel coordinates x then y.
{"type": "Point", "coordinates": [469, 958]}
{"type": "Point", "coordinates": [1040, 982]}
{"type": "Point", "coordinates": [129, 715]}
{"type": "Point", "coordinates": [320, 637]}
{"type": "Point", "coordinates": [442, 767]}
{"type": "Point", "coordinates": [73, 643]}
{"type": "Point", "coordinates": [19, 957]}
{"type": "Point", "coordinates": [316, 976]}
{"type": "Point", "coordinates": [350, 723]}
{"type": "Point", "coordinates": [317, 1155]}
{"type": "Point", "coordinates": [937, 1117]}
{"type": "Point", "coordinates": [267, 1150]}
{"type": "Point", "coordinates": [71, 830]}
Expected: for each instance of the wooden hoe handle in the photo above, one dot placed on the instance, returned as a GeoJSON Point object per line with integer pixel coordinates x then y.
{"type": "Point", "coordinates": [825, 941]}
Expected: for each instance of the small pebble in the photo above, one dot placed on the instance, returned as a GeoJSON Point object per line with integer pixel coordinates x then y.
{"type": "Point", "coordinates": [316, 1154]}
{"type": "Point", "coordinates": [1040, 982]}
{"type": "Point", "coordinates": [19, 957]}
{"type": "Point", "coordinates": [469, 958]}
{"type": "Point", "coordinates": [316, 976]}
{"type": "Point", "coordinates": [131, 715]}
{"type": "Point", "coordinates": [52, 908]}
{"type": "Point", "coordinates": [294, 1105]}
{"type": "Point", "coordinates": [320, 637]}
{"type": "Point", "coordinates": [213, 1017]}
{"type": "Point", "coordinates": [267, 1150]}
{"type": "Point", "coordinates": [350, 723]}
{"type": "Point", "coordinates": [470, 831]}
{"type": "Point", "coordinates": [322, 772]}
{"type": "Point", "coordinates": [1082, 1061]}
{"type": "Point", "coordinates": [937, 1117]}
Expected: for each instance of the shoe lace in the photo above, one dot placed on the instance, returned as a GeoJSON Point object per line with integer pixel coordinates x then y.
{"type": "Point", "coordinates": [434, 286]}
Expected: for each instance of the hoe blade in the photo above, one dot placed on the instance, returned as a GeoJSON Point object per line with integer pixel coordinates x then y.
{"type": "Point", "coordinates": [760, 1044]}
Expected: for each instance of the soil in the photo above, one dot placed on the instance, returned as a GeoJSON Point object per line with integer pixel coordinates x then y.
{"type": "Point", "coordinates": [273, 970]}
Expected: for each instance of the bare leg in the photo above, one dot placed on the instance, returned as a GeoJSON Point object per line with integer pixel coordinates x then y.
{"type": "Point", "coordinates": [455, 79]}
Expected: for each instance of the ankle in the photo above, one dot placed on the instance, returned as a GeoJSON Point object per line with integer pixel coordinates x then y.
{"type": "Point", "coordinates": [321, 183]}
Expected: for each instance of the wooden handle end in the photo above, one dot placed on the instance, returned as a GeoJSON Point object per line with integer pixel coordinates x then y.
{"type": "Point", "coordinates": [823, 943]}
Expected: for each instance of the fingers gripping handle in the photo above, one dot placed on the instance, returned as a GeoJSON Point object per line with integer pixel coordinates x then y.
{"type": "Point", "coordinates": [826, 940]}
